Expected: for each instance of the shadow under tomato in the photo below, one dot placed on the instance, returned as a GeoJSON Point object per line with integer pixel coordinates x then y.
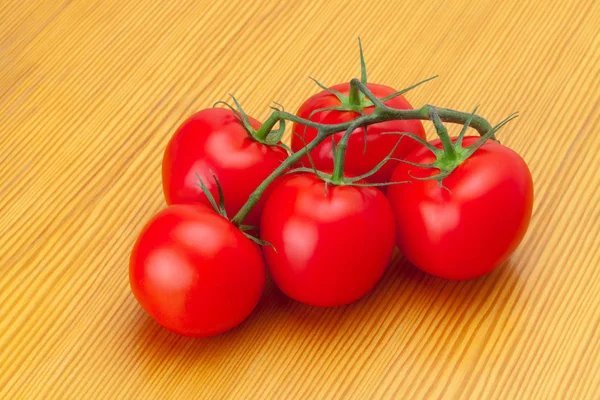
{"type": "Point", "coordinates": [403, 287]}
{"type": "Point", "coordinates": [403, 277]}
{"type": "Point", "coordinates": [407, 275]}
{"type": "Point", "coordinates": [404, 291]}
{"type": "Point", "coordinates": [163, 344]}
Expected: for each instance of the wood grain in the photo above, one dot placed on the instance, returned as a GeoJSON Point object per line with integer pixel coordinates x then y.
{"type": "Point", "coordinates": [90, 92]}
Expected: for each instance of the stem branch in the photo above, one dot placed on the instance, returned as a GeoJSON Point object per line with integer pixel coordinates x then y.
{"type": "Point", "coordinates": [358, 86]}
{"type": "Point", "coordinates": [340, 155]}
{"type": "Point", "coordinates": [442, 132]}
{"type": "Point", "coordinates": [382, 113]}
{"type": "Point", "coordinates": [291, 160]}
{"type": "Point", "coordinates": [354, 96]}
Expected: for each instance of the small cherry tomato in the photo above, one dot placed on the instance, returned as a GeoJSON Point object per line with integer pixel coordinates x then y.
{"type": "Point", "coordinates": [331, 244]}
{"type": "Point", "coordinates": [194, 272]}
{"type": "Point", "coordinates": [214, 141]}
{"type": "Point", "coordinates": [359, 159]}
{"type": "Point", "coordinates": [470, 225]}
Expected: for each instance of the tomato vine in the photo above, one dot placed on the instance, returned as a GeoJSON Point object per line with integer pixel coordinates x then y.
{"type": "Point", "coordinates": [380, 114]}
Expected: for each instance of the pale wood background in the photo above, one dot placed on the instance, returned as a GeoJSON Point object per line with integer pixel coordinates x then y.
{"type": "Point", "coordinates": [90, 92]}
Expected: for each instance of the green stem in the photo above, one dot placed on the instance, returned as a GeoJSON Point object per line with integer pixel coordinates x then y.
{"type": "Point", "coordinates": [480, 124]}
{"type": "Point", "coordinates": [442, 131]}
{"type": "Point", "coordinates": [357, 85]}
{"type": "Point", "coordinates": [262, 132]}
{"type": "Point", "coordinates": [381, 114]}
{"type": "Point", "coordinates": [354, 96]}
{"type": "Point", "coordinates": [291, 160]}
{"type": "Point", "coordinates": [340, 155]}
{"type": "Point", "coordinates": [338, 164]}
{"type": "Point", "coordinates": [276, 116]}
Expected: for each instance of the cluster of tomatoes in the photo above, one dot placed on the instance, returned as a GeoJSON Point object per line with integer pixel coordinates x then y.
{"type": "Point", "coordinates": [455, 208]}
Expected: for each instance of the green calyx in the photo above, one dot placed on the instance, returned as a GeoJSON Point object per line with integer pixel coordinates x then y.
{"type": "Point", "coordinates": [361, 96]}
{"type": "Point", "coordinates": [452, 154]}
{"type": "Point", "coordinates": [342, 181]}
{"type": "Point", "coordinates": [337, 177]}
{"type": "Point", "coordinates": [356, 101]}
{"type": "Point", "coordinates": [271, 137]}
{"type": "Point", "coordinates": [219, 208]}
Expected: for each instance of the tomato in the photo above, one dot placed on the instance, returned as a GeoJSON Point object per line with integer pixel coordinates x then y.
{"type": "Point", "coordinates": [213, 140]}
{"type": "Point", "coordinates": [358, 161]}
{"type": "Point", "coordinates": [331, 244]}
{"type": "Point", "coordinates": [471, 227]}
{"type": "Point", "coordinates": [194, 272]}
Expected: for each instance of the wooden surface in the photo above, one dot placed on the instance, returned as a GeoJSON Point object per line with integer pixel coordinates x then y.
{"type": "Point", "coordinates": [90, 92]}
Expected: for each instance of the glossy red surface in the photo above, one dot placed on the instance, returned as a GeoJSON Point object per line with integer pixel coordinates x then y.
{"type": "Point", "coordinates": [358, 161]}
{"type": "Point", "coordinates": [213, 140]}
{"type": "Point", "coordinates": [194, 272]}
{"type": "Point", "coordinates": [332, 243]}
{"type": "Point", "coordinates": [469, 229]}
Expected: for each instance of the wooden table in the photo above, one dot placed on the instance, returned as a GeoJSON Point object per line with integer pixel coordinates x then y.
{"type": "Point", "coordinates": [90, 92]}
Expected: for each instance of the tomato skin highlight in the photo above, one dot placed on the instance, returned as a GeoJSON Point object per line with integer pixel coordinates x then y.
{"type": "Point", "coordinates": [214, 141]}
{"type": "Point", "coordinates": [379, 146]}
{"type": "Point", "coordinates": [469, 230]}
{"type": "Point", "coordinates": [194, 272]}
{"type": "Point", "coordinates": [331, 247]}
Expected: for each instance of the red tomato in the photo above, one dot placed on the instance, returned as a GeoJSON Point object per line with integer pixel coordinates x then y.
{"type": "Point", "coordinates": [214, 140]}
{"type": "Point", "coordinates": [357, 161]}
{"type": "Point", "coordinates": [467, 231]}
{"type": "Point", "coordinates": [332, 243]}
{"type": "Point", "coordinates": [194, 272]}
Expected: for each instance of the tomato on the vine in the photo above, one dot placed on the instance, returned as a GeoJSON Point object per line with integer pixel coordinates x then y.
{"type": "Point", "coordinates": [194, 272]}
{"type": "Point", "coordinates": [331, 244]}
{"type": "Point", "coordinates": [471, 224]}
{"type": "Point", "coordinates": [361, 157]}
{"type": "Point", "coordinates": [215, 141]}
